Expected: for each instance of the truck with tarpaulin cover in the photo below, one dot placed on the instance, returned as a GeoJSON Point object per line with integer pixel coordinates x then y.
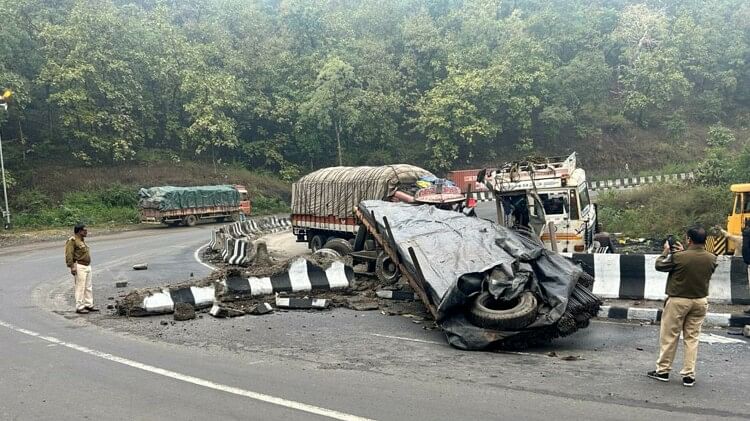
{"type": "Point", "coordinates": [323, 201]}
{"type": "Point", "coordinates": [187, 205]}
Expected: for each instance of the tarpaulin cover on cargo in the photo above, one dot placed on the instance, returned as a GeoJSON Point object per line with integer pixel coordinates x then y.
{"type": "Point", "coordinates": [456, 252]}
{"type": "Point", "coordinates": [338, 190]}
{"type": "Point", "coordinates": [167, 198]}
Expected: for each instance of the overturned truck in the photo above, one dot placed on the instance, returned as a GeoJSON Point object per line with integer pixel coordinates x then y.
{"type": "Point", "coordinates": [486, 285]}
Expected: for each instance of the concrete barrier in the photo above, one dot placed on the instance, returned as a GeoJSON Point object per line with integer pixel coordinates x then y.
{"type": "Point", "coordinates": [632, 276]}
{"type": "Point", "coordinates": [301, 275]}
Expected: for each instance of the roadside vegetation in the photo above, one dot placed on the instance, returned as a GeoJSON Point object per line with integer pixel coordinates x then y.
{"type": "Point", "coordinates": [659, 210]}
{"type": "Point", "coordinates": [113, 95]}
{"type": "Point", "coordinates": [61, 197]}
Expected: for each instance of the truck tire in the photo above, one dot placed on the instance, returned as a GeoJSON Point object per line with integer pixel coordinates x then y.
{"type": "Point", "coordinates": [316, 243]}
{"type": "Point", "coordinates": [386, 269]}
{"type": "Point", "coordinates": [516, 314]}
{"type": "Point", "coordinates": [190, 220]}
{"type": "Point", "coordinates": [235, 217]}
{"type": "Point", "coordinates": [343, 247]}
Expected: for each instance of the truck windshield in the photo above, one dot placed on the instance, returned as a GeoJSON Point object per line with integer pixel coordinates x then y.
{"type": "Point", "coordinates": [583, 195]}
{"type": "Point", "coordinates": [555, 203]}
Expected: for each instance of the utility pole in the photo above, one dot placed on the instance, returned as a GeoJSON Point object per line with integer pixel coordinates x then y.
{"type": "Point", "coordinates": [6, 213]}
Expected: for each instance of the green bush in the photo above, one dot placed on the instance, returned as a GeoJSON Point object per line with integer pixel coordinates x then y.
{"type": "Point", "coordinates": [657, 211]}
{"type": "Point", "coordinates": [113, 205]}
{"type": "Point", "coordinates": [263, 205]}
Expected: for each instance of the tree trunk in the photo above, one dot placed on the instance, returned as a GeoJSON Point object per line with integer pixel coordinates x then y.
{"type": "Point", "coordinates": [337, 127]}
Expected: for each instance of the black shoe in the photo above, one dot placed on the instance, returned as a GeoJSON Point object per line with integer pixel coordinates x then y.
{"type": "Point", "coordinates": [688, 381]}
{"type": "Point", "coordinates": [92, 308]}
{"type": "Point", "coordinates": [82, 311]}
{"type": "Point", "coordinates": [662, 377]}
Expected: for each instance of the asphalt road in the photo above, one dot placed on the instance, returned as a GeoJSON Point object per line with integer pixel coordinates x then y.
{"type": "Point", "coordinates": [337, 364]}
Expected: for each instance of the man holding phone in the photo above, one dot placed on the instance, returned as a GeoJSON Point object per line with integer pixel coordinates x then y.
{"type": "Point", "coordinates": [689, 271]}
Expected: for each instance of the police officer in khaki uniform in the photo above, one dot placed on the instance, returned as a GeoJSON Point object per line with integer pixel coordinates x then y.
{"type": "Point", "coordinates": [690, 271]}
{"type": "Point", "coordinates": [78, 260]}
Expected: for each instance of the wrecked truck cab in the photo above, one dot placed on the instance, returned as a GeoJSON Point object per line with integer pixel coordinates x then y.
{"type": "Point", "coordinates": [486, 285]}
{"type": "Point", "coordinates": [549, 195]}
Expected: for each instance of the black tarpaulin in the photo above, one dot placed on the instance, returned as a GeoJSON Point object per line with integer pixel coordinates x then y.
{"type": "Point", "coordinates": [458, 254]}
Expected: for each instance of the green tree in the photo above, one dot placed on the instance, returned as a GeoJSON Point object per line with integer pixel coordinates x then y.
{"type": "Point", "coordinates": [333, 100]}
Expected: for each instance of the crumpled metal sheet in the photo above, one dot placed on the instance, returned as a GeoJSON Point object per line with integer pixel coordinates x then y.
{"type": "Point", "coordinates": [457, 253]}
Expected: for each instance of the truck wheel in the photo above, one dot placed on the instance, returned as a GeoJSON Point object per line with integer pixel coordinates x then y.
{"type": "Point", "coordinates": [386, 269]}
{"type": "Point", "coordinates": [316, 243]}
{"type": "Point", "coordinates": [343, 247]}
{"type": "Point", "coordinates": [235, 216]}
{"type": "Point", "coordinates": [190, 220]}
{"type": "Point", "coordinates": [515, 314]}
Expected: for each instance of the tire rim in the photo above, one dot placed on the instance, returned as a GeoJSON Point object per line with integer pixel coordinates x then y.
{"type": "Point", "coordinates": [389, 267]}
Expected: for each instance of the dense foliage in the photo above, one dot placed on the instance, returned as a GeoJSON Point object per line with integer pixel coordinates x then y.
{"type": "Point", "coordinates": [289, 85]}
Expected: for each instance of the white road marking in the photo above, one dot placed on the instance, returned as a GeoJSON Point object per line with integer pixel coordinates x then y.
{"type": "Point", "coordinates": [299, 406]}
{"type": "Point", "coordinates": [197, 259]}
{"type": "Point", "coordinates": [711, 338]}
{"type": "Point", "coordinates": [401, 338]}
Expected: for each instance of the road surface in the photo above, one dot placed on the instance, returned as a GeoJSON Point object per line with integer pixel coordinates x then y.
{"type": "Point", "coordinates": [337, 364]}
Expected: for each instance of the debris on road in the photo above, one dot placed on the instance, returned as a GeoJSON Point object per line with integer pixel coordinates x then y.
{"type": "Point", "coordinates": [302, 303]}
{"type": "Point", "coordinates": [396, 295]}
{"type": "Point", "coordinates": [140, 266]}
{"type": "Point", "coordinates": [261, 309]}
{"type": "Point", "coordinates": [122, 284]}
{"type": "Point", "coordinates": [184, 311]}
{"type": "Point", "coordinates": [219, 311]}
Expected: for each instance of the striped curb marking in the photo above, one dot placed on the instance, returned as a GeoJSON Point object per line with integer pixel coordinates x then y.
{"type": "Point", "coordinates": [396, 295]}
{"type": "Point", "coordinates": [301, 303]}
{"type": "Point", "coordinates": [654, 315]}
{"type": "Point", "coordinates": [301, 276]}
{"type": "Point", "coordinates": [633, 277]}
{"type": "Point", "coordinates": [163, 302]}
{"type": "Point", "coordinates": [618, 183]}
{"type": "Point", "coordinates": [629, 182]}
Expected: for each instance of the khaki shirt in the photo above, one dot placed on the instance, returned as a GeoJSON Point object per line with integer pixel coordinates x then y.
{"type": "Point", "coordinates": [77, 251]}
{"type": "Point", "coordinates": [689, 271]}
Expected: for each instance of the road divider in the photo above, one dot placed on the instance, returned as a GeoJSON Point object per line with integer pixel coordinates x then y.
{"type": "Point", "coordinates": [633, 277]}
{"type": "Point", "coordinates": [653, 315]}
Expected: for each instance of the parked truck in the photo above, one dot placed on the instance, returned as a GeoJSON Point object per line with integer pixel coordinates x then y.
{"type": "Point", "coordinates": [187, 205]}
{"type": "Point", "coordinates": [323, 201]}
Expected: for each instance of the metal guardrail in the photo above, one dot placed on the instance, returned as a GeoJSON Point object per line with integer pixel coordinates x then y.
{"type": "Point", "coordinates": [632, 182]}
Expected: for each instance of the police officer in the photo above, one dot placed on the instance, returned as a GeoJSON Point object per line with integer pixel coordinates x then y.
{"type": "Point", "coordinates": [689, 271]}
{"type": "Point", "coordinates": [78, 260]}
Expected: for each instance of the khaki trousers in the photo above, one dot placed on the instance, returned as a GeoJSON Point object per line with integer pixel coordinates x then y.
{"type": "Point", "coordinates": [84, 292]}
{"type": "Point", "coordinates": [681, 315]}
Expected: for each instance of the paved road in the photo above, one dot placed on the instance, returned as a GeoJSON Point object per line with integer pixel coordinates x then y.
{"type": "Point", "coordinates": [337, 364]}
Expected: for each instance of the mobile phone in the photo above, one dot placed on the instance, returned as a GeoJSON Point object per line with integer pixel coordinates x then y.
{"type": "Point", "coordinates": [670, 241]}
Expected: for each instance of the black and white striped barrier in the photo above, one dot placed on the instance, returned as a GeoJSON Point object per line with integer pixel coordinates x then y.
{"type": "Point", "coordinates": [255, 227]}
{"type": "Point", "coordinates": [301, 303]}
{"type": "Point", "coordinates": [653, 315]}
{"type": "Point", "coordinates": [301, 276]}
{"type": "Point", "coordinates": [616, 184]}
{"type": "Point", "coordinates": [396, 295]}
{"type": "Point", "coordinates": [244, 252]}
{"type": "Point", "coordinates": [630, 182]}
{"type": "Point", "coordinates": [632, 276]}
{"type": "Point", "coordinates": [163, 301]}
